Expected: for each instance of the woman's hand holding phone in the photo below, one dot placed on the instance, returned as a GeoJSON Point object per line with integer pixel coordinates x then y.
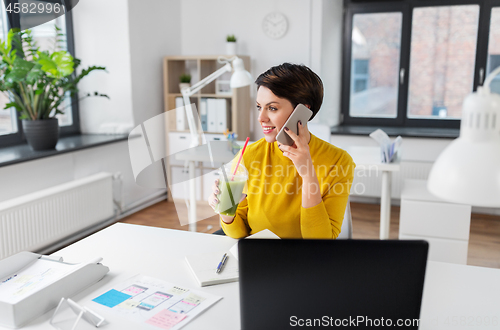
{"type": "Point", "coordinates": [301, 158]}
{"type": "Point", "coordinates": [300, 113]}
{"type": "Point", "coordinates": [299, 152]}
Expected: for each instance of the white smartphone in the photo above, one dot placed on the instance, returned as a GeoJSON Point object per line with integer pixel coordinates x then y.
{"type": "Point", "coordinates": [302, 113]}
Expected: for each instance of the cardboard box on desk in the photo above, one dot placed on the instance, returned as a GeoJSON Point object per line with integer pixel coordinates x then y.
{"type": "Point", "coordinates": [32, 284]}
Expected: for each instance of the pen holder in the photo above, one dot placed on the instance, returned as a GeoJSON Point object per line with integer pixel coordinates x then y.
{"type": "Point", "coordinates": [232, 145]}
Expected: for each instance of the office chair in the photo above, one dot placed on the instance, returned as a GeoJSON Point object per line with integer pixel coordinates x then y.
{"type": "Point", "coordinates": [346, 229]}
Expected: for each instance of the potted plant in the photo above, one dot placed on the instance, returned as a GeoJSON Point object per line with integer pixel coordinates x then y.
{"type": "Point", "coordinates": [231, 44]}
{"type": "Point", "coordinates": [37, 83]}
{"type": "Point", "coordinates": [185, 81]}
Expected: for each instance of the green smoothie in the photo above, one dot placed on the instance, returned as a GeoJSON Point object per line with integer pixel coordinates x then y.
{"type": "Point", "coordinates": [229, 196]}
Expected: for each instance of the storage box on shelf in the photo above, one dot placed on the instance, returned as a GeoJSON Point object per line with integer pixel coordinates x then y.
{"type": "Point", "coordinates": [231, 111]}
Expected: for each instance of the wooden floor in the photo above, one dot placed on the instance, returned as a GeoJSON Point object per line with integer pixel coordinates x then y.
{"type": "Point", "coordinates": [484, 242]}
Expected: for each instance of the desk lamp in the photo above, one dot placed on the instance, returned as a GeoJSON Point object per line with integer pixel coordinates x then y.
{"type": "Point", "coordinates": [468, 170]}
{"type": "Point", "coordinates": [239, 78]}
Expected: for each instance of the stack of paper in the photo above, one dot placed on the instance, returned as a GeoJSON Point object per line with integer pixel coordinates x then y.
{"type": "Point", "coordinates": [153, 303]}
{"type": "Point", "coordinates": [32, 284]}
{"type": "Point", "coordinates": [388, 149]}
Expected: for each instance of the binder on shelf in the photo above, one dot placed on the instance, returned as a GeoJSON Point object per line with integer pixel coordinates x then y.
{"type": "Point", "coordinates": [180, 114]}
{"type": "Point", "coordinates": [32, 284]}
{"type": "Point", "coordinates": [211, 115]}
{"type": "Point", "coordinates": [203, 114]}
{"type": "Point", "coordinates": [221, 125]}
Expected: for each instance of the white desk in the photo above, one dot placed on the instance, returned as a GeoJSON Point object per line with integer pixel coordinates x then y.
{"type": "Point", "coordinates": [368, 158]}
{"type": "Point", "coordinates": [450, 290]}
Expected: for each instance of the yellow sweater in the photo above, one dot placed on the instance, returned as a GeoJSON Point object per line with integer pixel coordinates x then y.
{"type": "Point", "coordinates": [274, 191]}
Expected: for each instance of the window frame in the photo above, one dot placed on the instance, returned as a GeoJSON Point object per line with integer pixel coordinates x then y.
{"type": "Point", "coordinates": [406, 7]}
{"type": "Point", "coordinates": [486, 36]}
{"type": "Point", "coordinates": [73, 129]}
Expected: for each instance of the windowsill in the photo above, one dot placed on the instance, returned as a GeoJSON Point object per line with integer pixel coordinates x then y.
{"type": "Point", "coordinates": [22, 152]}
{"type": "Point", "coordinates": [419, 132]}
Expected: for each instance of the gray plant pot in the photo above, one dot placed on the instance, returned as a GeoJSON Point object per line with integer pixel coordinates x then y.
{"type": "Point", "coordinates": [41, 134]}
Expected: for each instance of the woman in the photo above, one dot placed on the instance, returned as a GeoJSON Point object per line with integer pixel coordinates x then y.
{"type": "Point", "coordinates": [297, 191]}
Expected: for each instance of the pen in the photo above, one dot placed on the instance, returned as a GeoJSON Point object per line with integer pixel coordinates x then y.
{"type": "Point", "coordinates": [221, 263]}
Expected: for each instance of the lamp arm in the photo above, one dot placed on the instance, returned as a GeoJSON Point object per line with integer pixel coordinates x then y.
{"type": "Point", "coordinates": [490, 78]}
{"type": "Point", "coordinates": [187, 92]}
{"type": "Point", "coordinates": [207, 80]}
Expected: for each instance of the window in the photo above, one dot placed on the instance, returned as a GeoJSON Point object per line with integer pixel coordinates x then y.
{"type": "Point", "coordinates": [360, 75]}
{"type": "Point", "coordinates": [44, 34]}
{"type": "Point", "coordinates": [8, 122]}
{"type": "Point", "coordinates": [375, 52]}
{"type": "Point", "coordinates": [412, 62]}
{"type": "Point", "coordinates": [442, 57]}
{"type": "Point", "coordinates": [494, 48]}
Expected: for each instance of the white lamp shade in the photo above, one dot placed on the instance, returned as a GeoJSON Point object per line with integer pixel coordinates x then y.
{"type": "Point", "coordinates": [468, 172]}
{"type": "Point", "coordinates": [240, 77]}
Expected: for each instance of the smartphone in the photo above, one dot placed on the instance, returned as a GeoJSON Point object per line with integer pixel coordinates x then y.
{"type": "Point", "coordinates": [134, 290]}
{"type": "Point", "coordinates": [182, 307]}
{"type": "Point", "coordinates": [154, 300]}
{"type": "Point", "coordinates": [302, 113]}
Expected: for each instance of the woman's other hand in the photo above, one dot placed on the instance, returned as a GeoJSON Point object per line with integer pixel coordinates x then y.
{"type": "Point", "coordinates": [213, 201]}
{"type": "Point", "coordinates": [299, 152]}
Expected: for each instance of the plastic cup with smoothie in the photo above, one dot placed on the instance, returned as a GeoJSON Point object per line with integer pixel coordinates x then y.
{"type": "Point", "coordinates": [231, 185]}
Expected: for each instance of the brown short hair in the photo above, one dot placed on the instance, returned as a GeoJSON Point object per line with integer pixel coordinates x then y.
{"type": "Point", "coordinates": [294, 82]}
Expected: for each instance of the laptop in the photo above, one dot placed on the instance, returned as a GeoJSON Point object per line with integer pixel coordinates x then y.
{"type": "Point", "coordinates": [361, 284]}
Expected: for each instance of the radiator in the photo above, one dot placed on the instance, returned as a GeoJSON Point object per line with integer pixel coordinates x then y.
{"type": "Point", "coordinates": [369, 183]}
{"type": "Point", "coordinates": [37, 220]}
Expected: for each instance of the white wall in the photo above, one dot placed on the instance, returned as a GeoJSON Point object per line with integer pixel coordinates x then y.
{"type": "Point", "coordinates": [205, 25]}
{"type": "Point", "coordinates": [101, 38]}
{"type": "Point", "coordinates": [20, 179]}
{"type": "Point", "coordinates": [414, 149]}
{"type": "Point", "coordinates": [47, 172]}
{"type": "Point", "coordinates": [154, 28]}
{"type": "Point", "coordinates": [129, 38]}
{"type": "Point", "coordinates": [331, 61]}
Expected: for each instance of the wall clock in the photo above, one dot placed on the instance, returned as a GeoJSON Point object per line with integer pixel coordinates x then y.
{"type": "Point", "coordinates": [275, 25]}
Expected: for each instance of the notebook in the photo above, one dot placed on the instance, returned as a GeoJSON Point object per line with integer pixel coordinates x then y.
{"type": "Point", "coordinates": [203, 266]}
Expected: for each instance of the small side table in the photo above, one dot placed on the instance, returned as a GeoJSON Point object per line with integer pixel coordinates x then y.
{"type": "Point", "coordinates": [368, 158]}
{"type": "Point", "coordinates": [444, 225]}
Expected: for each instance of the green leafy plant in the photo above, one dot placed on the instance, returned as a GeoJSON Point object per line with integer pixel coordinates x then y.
{"type": "Point", "coordinates": [37, 81]}
{"type": "Point", "coordinates": [231, 38]}
{"type": "Point", "coordinates": [185, 78]}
